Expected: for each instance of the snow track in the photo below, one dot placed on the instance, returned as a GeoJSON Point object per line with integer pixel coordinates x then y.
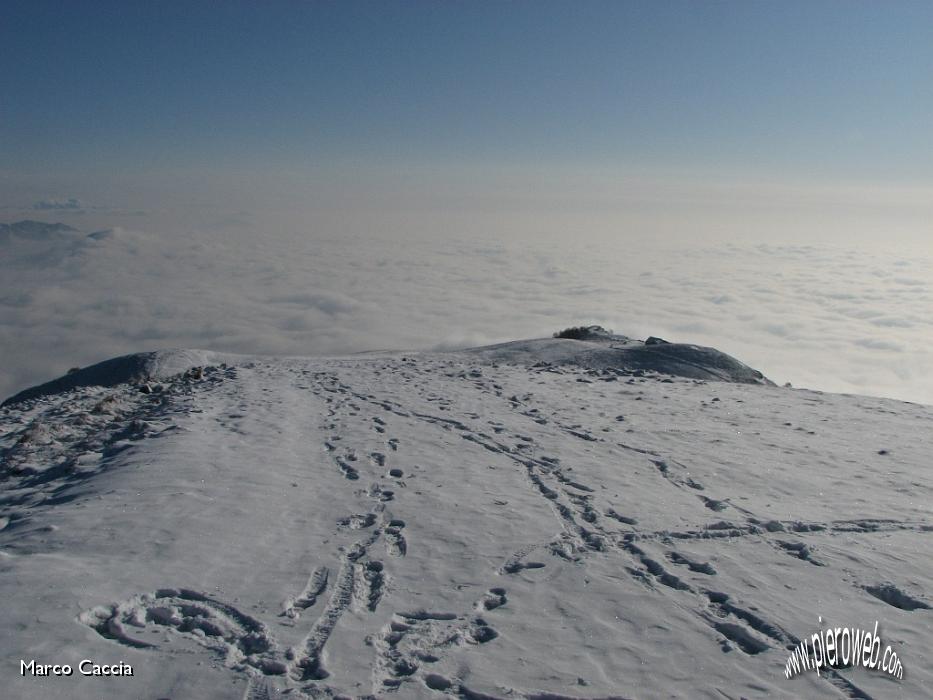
{"type": "Point", "coordinates": [432, 526]}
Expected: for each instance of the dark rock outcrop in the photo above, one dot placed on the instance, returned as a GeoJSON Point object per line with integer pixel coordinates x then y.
{"type": "Point", "coordinates": [129, 368]}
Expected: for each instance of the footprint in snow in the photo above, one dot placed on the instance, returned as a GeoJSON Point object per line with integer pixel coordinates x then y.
{"type": "Point", "coordinates": [396, 545]}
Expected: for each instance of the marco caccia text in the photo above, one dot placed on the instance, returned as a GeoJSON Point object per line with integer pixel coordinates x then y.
{"type": "Point", "coordinates": [85, 667]}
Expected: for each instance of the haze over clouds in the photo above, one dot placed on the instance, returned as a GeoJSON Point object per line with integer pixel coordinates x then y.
{"type": "Point", "coordinates": [69, 204]}
{"type": "Point", "coordinates": [821, 316]}
{"type": "Point", "coordinates": [335, 177]}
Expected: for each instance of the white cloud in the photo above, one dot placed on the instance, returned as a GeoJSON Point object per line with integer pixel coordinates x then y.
{"type": "Point", "coordinates": [876, 344]}
{"type": "Point", "coordinates": [815, 316]}
{"type": "Point", "coordinates": [71, 203]}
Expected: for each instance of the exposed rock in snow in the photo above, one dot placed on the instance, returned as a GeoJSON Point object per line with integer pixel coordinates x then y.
{"type": "Point", "coordinates": [138, 367]}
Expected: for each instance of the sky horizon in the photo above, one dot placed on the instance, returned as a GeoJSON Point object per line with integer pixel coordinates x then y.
{"type": "Point", "coordinates": [824, 91]}
{"type": "Point", "coordinates": [311, 134]}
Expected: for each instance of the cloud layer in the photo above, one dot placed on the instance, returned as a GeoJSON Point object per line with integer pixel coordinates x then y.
{"type": "Point", "coordinates": [69, 204]}
{"type": "Point", "coordinates": [831, 318]}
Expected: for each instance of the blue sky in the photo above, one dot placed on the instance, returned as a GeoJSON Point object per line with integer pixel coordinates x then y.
{"type": "Point", "coordinates": [822, 90]}
{"type": "Point", "coordinates": [755, 176]}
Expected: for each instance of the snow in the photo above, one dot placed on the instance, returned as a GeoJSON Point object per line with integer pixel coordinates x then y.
{"type": "Point", "coordinates": [498, 523]}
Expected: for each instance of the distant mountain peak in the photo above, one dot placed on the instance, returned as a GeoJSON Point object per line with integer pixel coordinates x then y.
{"type": "Point", "coordinates": [34, 229]}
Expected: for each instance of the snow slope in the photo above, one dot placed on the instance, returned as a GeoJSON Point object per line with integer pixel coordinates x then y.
{"type": "Point", "coordinates": [475, 524]}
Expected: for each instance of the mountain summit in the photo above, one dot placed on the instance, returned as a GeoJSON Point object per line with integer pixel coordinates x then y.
{"type": "Point", "coordinates": [590, 347]}
{"type": "Point", "coordinates": [539, 519]}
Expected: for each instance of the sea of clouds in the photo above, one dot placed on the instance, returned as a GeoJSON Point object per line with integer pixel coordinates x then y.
{"type": "Point", "coordinates": [831, 317]}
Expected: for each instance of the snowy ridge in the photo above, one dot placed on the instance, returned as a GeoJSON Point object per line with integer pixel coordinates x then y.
{"type": "Point", "coordinates": [501, 523]}
{"type": "Point", "coordinates": [626, 355]}
{"type": "Point", "coordinates": [138, 367]}
{"type": "Point", "coordinates": [606, 352]}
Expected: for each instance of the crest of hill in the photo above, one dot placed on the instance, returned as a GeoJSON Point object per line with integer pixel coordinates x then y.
{"type": "Point", "coordinates": [138, 367]}
{"type": "Point", "coordinates": [593, 347]}
{"type": "Point", "coordinates": [600, 349]}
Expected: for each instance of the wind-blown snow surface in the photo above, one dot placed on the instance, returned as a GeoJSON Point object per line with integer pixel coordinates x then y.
{"type": "Point", "coordinates": [437, 525]}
